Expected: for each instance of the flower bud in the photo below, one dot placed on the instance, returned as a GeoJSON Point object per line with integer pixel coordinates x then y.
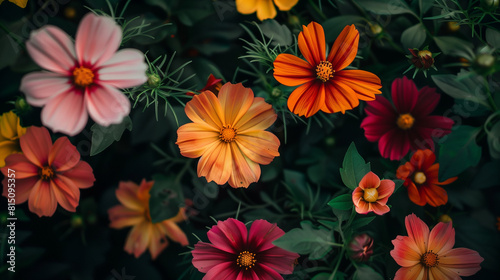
{"type": "Point", "coordinates": [361, 248]}
{"type": "Point", "coordinates": [490, 5]}
{"type": "Point", "coordinates": [276, 92]}
{"type": "Point", "coordinates": [154, 80]}
{"type": "Point", "coordinates": [422, 59]}
{"type": "Point", "coordinates": [445, 218]}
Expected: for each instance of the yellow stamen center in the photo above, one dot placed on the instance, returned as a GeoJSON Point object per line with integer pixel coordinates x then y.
{"type": "Point", "coordinates": [246, 259]}
{"type": "Point", "coordinates": [429, 259]}
{"type": "Point", "coordinates": [227, 134]}
{"type": "Point", "coordinates": [419, 178]}
{"type": "Point", "coordinates": [83, 77]}
{"type": "Point", "coordinates": [324, 71]}
{"type": "Point", "coordinates": [405, 121]}
{"type": "Point", "coordinates": [46, 173]}
{"type": "Point", "coordinates": [370, 195]}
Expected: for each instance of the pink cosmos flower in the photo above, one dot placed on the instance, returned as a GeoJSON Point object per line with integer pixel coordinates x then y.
{"type": "Point", "coordinates": [408, 123]}
{"type": "Point", "coordinates": [425, 255]}
{"type": "Point", "coordinates": [82, 77]}
{"type": "Point", "coordinates": [236, 254]}
{"type": "Point", "coordinates": [372, 194]}
{"type": "Point", "coordinates": [361, 247]}
{"type": "Point", "coordinates": [47, 174]}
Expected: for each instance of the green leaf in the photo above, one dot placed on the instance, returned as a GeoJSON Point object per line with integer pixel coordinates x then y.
{"type": "Point", "coordinates": [361, 222]}
{"type": "Point", "coordinates": [166, 198]}
{"type": "Point", "coordinates": [493, 37]}
{"type": "Point", "coordinates": [280, 34]}
{"type": "Point", "coordinates": [487, 176]}
{"type": "Point", "coordinates": [103, 137]}
{"type": "Point", "coordinates": [354, 168]}
{"type": "Point", "coordinates": [465, 85]}
{"type": "Point", "coordinates": [413, 37]}
{"type": "Point", "coordinates": [493, 135]}
{"type": "Point", "coordinates": [398, 183]}
{"type": "Point", "coordinates": [296, 184]}
{"type": "Point", "coordinates": [365, 272]}
{"type": "Point", "coordinates": [425, 5]}
{"type": "Point", "coordinates": [335, 25]}
{"type": "Point", "coordinates": [459, 152]}
{"type": "Point", "coordinates": [455, 46]}
{"type": "Point", "coordinates": [326, 276]}
{"type": "Point", "coordinates": [384, 7]}
{"type": "Point", "coordinates": [342, 202]}
{"type": "Point", "coordinates": [307, 240]}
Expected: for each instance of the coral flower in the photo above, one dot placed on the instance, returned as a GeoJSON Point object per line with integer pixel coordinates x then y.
{"type": "Point", "coordinates": [228, 134]}
{"type": "Point", "coordinates": [323, 83]}
{"type": "Point", "coordinates": [10, 131]}
{"type": "Point", "coordinates": [46, 173]}
{"type": "Point", "coordinates": [421, 179]}
{"type": "Point", "coordinates": [372, 194]}
{"type": "Point", "coordinates": [82, 78]}
{"type": "Point", "coordinates": [236, 254]}
{"type": "Point", "coordinates": [134, 211]}
{"type": "Point", "coordinates": [425, 255]}
{"type": "Point", "coordinates": [407, 125]}
{"type": "Point", "coordinates": [361, 248]}
{"type": "Point", "coordinates": [264, 8]}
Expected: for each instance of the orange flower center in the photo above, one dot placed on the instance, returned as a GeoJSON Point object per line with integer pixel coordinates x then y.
{"type": "Point", "coordinates": [227, 134]}
{"type": "Point", "coordinates": [405, 121]}
{"type": "Point", "coordinates": [324, 71]}
{"type": "Point", "coordinates": [246, 259]}
{"type": "Point", "coordinates": [46, 173]}
{"type": "Point", "coordinates": [370, 195]}
{"type": "Point", "coordinates": [83, 77]}
{"type": "Point", "coordinates": [429, 259]}
{"type": "Point", "coordinates": [419, 178]}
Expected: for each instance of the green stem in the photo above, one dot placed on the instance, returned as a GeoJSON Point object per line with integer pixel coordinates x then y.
{"type": "Point", "coordinates": [332, 276]}
{"type": "Point", "coordinates": [317, 10]}
{"type": "Point", "coordinates": [12, 35]}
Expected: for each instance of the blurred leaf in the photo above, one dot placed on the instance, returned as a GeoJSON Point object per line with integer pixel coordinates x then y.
{"type": "Point", "coordinates": [326, 276]}
{"type": "Point", "coordinates": [166, 198]}
{"type": "Point", "coordinates": [398, 183]}
{"type": "Point", "coordinates": [146, 127]}
{"type": "Point", "coordinates": [271, 171]}
{"type": "Point", "coordinates": [493, 37]}
{"type": "Point", "coordinates": [383, 7]}
{"type": "Point", "coordinates": [307, 240]}
{"type": "Point", "coordinates": [354, 167]}
{"type": "Point", "coordinates": [413, 37]}
{"type": "Point", "coordinates": [459, 152]}
{"type": "Point", "coordinates": [465, 85]}
{"type": "Point", "coordinates": [361, 222]}
{"type": "Point", "coordinates": [493, 136]}
{"type": "Point", "coordinates": [296, 184]}
{"type": "Point", "coordinates": [455, 46]}
{"type": "Point", "coordinates": [425, 5]}
{"type": "Point", "coordinates": [333, 26]}
{"type": "Point", "coordinates": [342, 202]}
{"type": "Point", "coordinates": [487, 176]}
{"type": "Point", "coordinates": [103, 137]}
{"type": "Point", "coordinates": [365, 272]}
{"type": "Point", "coordinates": [280, 34]}
{"type": "Point", "coordinates": [192, 11]}
{"type": "Point", "coordinates": [462, 198]}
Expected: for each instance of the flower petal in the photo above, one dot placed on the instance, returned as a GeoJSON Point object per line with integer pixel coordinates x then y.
{"type": "Point", "coordinates": [127, 195]}
{"type": "Point", "coordinates": [363, 207]}
{"type": "Point", "coordinates": [229, 236]}
{"type": "Point", "coordinates": [206, 256]}
{"type": "Point", "coordinates": [280, 260]}
{"type": "Point", "coordinates": [363, 83]}
{"type": "Point", "coordinates": [261, 235]}
{"type": "Point", "coordinates": [36, 145]}
{"type": "Point", "coordinates": [205, 108]}
{"type": "Point", "coordinates": [375, 127]}
{"type": "Point", "coordinates": [338, 98]}
{"type": "Point", "coordinates": [157, 243]}
{"type": "Point", "coordinates": [107, 105]}
{"type": "Point", "coordinates": [370, 180]}
{"type": "Point", "coordinates": [23, 167]}
{"type": "Point", "coordinates": [266, 9]}
{"type": "Point", "coordinates": [235, 101]}
{"type": "Point", "coordinates": [245, 171]}
{"type": "Point", "coordinates": [434, 195]}
{"type": "Point", "coordinates": [121, 217]}
{"type": "Point", "coordinates": [63, 155]}
{"type": "Point", "coordinates": [404, 95]}
{"type": "Point", "coordinates": [23, 188]}
{"type": "Point", "coordinates": [290, 70]}
{"type": "Point", "coordinates": [312, 43]}
{"type": "Point", "coordinates": [125, 69]}
{"type": "Point", "coordinates": [344, 48]}
{"type": "Point", "coordinates": [307, 99]}
{"type": "Point", "coordinates": [259, 116]}
{"type": "Point", "coordinates": [427, 100]}
{"type": "Point", "coordinates": [138, 239]}
{"type": "Point", "coordinates": [463, 261]}
{"type": "Point", "coordinates": [81, 175]}
{"type": "Point", "coordinates": [216, 163]}
{"type": "Point", "coordinates": [418, 231]}
{"type": "Point", "coordinates": [246, 7]}
{"type": "Point", "coordinates": [406, 252]}
{"type": "Point", "coordinates": [42, 200]}
{"type": "Point", "coordinates": [66, 193]}
{"type": "Point", "coordinates": [259, 146]}
{"type": "Point", "coordinates": [442, 238]}
{"type": "Point", "coordinates": [394, 144]}
{"type": "Point", "coordinates": [194, 139]}
{"type": "Point", "coordinates": [41, 87]}
{"type": "Point", "coordinates": [415, 272]}
{"type": "Point", "coordinates": [174, 232]}
{"type": "Point", "coordinates": [285, 5]}
{"type": "Point", "coordinates": [386, 188]}
{"type": "Point", "coordinates": [65, 113]}
{"type": "Point", "coordinates": [379, 209]}
{"type": "Point", "coordinates": [225, 270]}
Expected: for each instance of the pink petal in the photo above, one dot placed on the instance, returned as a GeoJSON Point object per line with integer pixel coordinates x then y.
{"type": "Point", "coordinates": [404, 95]}
{"type": "Point", "coordinates": [279, 260]}
{"type": "Point", "coordinates": [206, 256]}
{"type": "Point", "coordinates": [52, 49]}
{"type": "Point", "coordinates": [265, 272]}
{"type": "Point", "coordinates": [229, 235]}
{"type": "Point", "coordinates": [107, 105]}
{"type": "Point", "coordinates": [406, 252]}
{"type": "Point", "coordinates": [36, 145]}
{"type": "Point", "coordinates": [66, 193]}
{"type": "Point", "coordinates": [235, 101]}
{"type": "Point", "coordinates": [381, 107]}
{"type": "Point", "coordinates": [65, 113]}
{"type": "Point", "coordinates": [81, 175]}
{"type": "Point", "coordinates": [375, 127]}
{"type": "Point", "coordinates": [380, 209]}
{"type": "Point", "coordinates": [226, 270]}
{"type": "Point", "coordinates": [245, 171]}
{"type": "Point", "coordinates": [121, 217]}
{"type": "Point", "coordinates": [437, 122]}
{"type": "Point", "coordinates": [357, 195]}
{"type": "Point", "coordinates": [97, 39]}
{"type": "Point", "coordinates": [63, 155]}
{"type": "Point", "coordinates": [370, 180]}
{"type": "Point", "coordinates": [262, 234]}
{"type": "Point", "coordinates": [23, 167]}
{"type": "Point", "coordinates": [363, 207]}
{"type": "Point", "coordinates": [416, 272]}
{"type": "Point", "coordinates": [23, 188]}
{"type": "Point", "coordinates": [125, 69]}
{"type": "Point", "coordinates": [394, 144]}
{"type": "Point", "coordinates": [442, 238]}
{"type": "Point", "coordinates": [418, 231]}
{"type": "Point", "coordinates": [463, 261]}
{"type": "Point", "coordinates": [42, 200]}
{"type": "Point", "coordinates": [41, 87]}
{"type": "Point", "coordinates": [427, 101]}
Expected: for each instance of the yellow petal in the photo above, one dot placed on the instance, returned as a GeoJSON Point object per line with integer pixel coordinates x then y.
{"type": "Point", "coordinates": [265, 10]}
{"type": "Point", "coordinates": [246, 7]}
{"type": "Point", "coordinates": [285, 5]}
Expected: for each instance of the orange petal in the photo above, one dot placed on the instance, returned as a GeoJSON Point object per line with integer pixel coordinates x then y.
{"type": "Point", "coordinates": [260, 116]}
{"type": "Point", "coordinates": [312, 43]}
{"type": "Point", "coordinates": [235, 101]}
{"type": "Point", "coordinates": [63, 155]}
{"type": "Point", "coordinates": [363, 207]}
{"type": "Point", "coordinates": [265, 9]}
{"type": "Point", "coordinates": [23, 167]}
{"type": "Point", "coordinates": [216, 163]}
{"type": "Point", "coordinates": [23, 188]}
{"type": "Point", "coordinates": [379, 209]}
{"type": "Point", "coordinates": [423, 159]}
{"type": "Point", "coordinates": [365, 84]}
{"type": "Point", "coordinates": [121, 217]}
{"type": "Point", "coordinates": [339, 98]}
{"type": "Point", "coordinates": [370, 180]}
{"type": "Point", "coordinates": [157, 243]}
{"type": "Point", "coordinates": [357, 195]}
{"type": "Point", "coordinates": [415, 272]}
{"type": "Point", "coordinates": [462, 261]}
{"type": "Point", "coordinates": [259, 146]}
{"type": "Point", "coordinates": [307, 99]}
{"type": "Point", "coordinates": [386, 188]}
{"type": "Point", "coordinates": [434, 195]}
{"type": "Point", "coordinates": [442, 238]}
{"type": "Point", "coordinates": [345, 48]}
{"type": "Point", "coordinates": [285, 5]}
{"type": "Point", "coordinates": [36, 144]}
{"type": "Point", "coordinates": [138, 239]}
{"type": "Point", "coordinates": [246, 7]}
{"type": "Point", "coordinates": [194, 139]}
{"type": "Point", "coordinates": [127, 195]}
{"type": "Point", "coordinates": [406, 252]}
{"type": "Point", "coordinates": [205, 108]}
{"type": "Point", "coordinates": [66, 193]}
{"type": "Point", "coordinates": [42, 200]}
{"type": "Point", "coordinates": [245, 171]}
{"type": "Point", "coordinates": [418, 231]}
{"type": "Point", "coordinates": [81, 175]}
{"type": "Point", "coordinates": [290, 70]}
{"type": "Point", "coordinates": [174, 232]}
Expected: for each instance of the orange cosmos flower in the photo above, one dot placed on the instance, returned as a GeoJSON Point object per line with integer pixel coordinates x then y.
{"type": "Point", "coordinates": [323, 84]}
{"type": "Point", "coordinates": [228, 134]}
{"type": "Point", "coordinates": [134, 211]}
{"type": "Point", "coordinates": [425, 255]}
{"type": "Point", "coordinates": [421, 179]}
{"type": "Point", "coordinates": [264, 8]}
{"type": "Point", "coordinates": [372, 194]}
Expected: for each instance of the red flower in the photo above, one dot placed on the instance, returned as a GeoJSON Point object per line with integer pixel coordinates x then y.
{"type": "Point", "coordinates": [212, 85]}
{"type": "Point", "coordinates": [236, 254]}
{"type": "Point", "coordinates": [421, 179]}
{"type": "Point", "coordinates": [372, 194]}
{"type": "Point", "coordinates": [407, 124]}
{"type": "Point", "coordinates": [46, 173]}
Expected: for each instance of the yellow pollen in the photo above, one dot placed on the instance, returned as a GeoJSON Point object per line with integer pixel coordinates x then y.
{"type": "Point", "coordinates": [227, 134]}
{"type": "Point", "coordinates": [370, 195]}
{"type": "Point", "coordinates": [419, 178]}
{"type": "Point", "coordinates": [405, 121]}
{"type": "Point", "coordinates": [324, 71]}
{"type": "Point", "coordinates": [83, 77]}
{"type": "Point", "coordinates": [246, 259]}
{"type": "Point", "coordinates": [429, 259]}
{"type": "Point", "coordinates": [46, 173]}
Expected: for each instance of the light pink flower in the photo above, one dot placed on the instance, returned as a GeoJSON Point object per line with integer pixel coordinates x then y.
{"type": "Point", "coordinates": [82, 77]}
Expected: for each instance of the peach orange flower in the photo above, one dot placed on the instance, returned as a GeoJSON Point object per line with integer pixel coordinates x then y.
{"type": "Point", "coordinates": [82, 77]}
{"type": "Point", "coordinates": [20, 3]}
{"type": "Point", "coordinates": [228, 134]}
{"type": "Point", "coordinates": [46, 173]}
{"type": "Point", "coordinates": [421, 179]}
{"type": "Point", "coordinates": [323, 83]}
{"type": "Point", "coordinates": [425, 255]}
{"type": "Point", "coordinates": [238, 253]}
{"type": "Point", "coordinates": [134, 212]}
{"type": "Point", "coordinates": [264, 8]}
{"type": "Point", "coordinates": [10, 131]}
{"type": "Point", "coordinates": [372, 194]}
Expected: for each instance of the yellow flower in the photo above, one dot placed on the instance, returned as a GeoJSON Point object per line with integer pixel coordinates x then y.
{"type": "Point", "coordinates": [264, 8]}
{"type": "Point", "coordinates": [20, 3]}
{"type": "Point", "coordinates": [10, 131]}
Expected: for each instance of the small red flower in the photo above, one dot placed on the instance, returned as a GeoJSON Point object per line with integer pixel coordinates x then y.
{"type": "Point", "coordinates": [372, 194]}
{"type": "Point", "coordinates": [361, 247]}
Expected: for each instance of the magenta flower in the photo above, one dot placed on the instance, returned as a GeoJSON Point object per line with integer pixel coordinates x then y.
{"type": "Point", "coordinates": [407, 124]}
{"type": "Point", "coordinates": [236, 254]}
{"type": "Point", "coordinates": [82, 77]}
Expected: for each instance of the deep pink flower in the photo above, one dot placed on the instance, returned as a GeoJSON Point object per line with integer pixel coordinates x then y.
{"type": "Point", "coordinates": [236, 254]}
{"type": "Point", "coordinates": [82, 77]}
{"type": "Point", "coordinates": [407, 124]}
{"type": "Point", "coordinates": [361, 247]}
